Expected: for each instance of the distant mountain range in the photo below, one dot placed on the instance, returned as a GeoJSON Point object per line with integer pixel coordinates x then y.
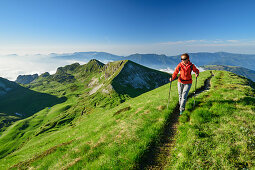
{"type": "Point", "coordinates": [162, 61]}
{"type": "Point", "coordinates": [238, 70]}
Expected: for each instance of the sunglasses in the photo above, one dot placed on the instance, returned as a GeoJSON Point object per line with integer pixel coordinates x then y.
{"type": "Point", "coordinates": [184, 58]}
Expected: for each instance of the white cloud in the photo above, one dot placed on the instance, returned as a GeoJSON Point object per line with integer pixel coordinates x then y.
{"type": "Point", "coordinates": [124, 49]}
{"type": "Point", "coordinates": [168, 70]}
{"type": "Point", "coordinates": [201, 69]}
{"type": "Point", "coordinates": [76, 61]}
{"type": "Point", "coordinates": [233, 41]}
{"type": "Point", "coordinates": [12, 66]}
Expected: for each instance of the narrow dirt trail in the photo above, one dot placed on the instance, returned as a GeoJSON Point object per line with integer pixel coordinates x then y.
{"type": "Point", "coordinates": [156, 157]}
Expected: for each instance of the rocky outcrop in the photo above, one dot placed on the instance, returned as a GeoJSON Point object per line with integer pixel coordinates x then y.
{"type": "Point", "coordinates": [26, 79]}
{"type": "Point", "coordinates": [135, 79]}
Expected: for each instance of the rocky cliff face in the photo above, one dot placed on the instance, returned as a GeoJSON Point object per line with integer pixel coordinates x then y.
{"type": "Point", "coordinates": [135, 79]}
{"type": "Point", "coordinates": [26, 79]}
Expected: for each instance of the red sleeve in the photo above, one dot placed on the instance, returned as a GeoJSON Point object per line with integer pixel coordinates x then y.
{"type": "Point", "coordinates": [195, 69]}
{"type": "Point", "coordinates": [176, 71]}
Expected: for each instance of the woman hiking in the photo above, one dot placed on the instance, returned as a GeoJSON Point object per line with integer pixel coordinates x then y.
{"type": "Point", "coordinates": [185, 67]}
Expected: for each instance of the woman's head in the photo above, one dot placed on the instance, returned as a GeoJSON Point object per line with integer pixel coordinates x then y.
{"type": "Point", "coordinates": [185, 58]}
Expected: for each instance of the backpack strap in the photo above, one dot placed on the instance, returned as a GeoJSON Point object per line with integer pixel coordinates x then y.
{"type": "Point", "coordinates": [191, 68]}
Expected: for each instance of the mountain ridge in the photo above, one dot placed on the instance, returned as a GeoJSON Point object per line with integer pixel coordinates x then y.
{"type": "Point", "coordinates": [26, 79]}
{"type": "Point", "coordinates": [94, 83]}
{"type": "Point", "coordinates": [73, 72]}
{"type": "Point", "coordinates": [164, 61]}
{"type": "Point", "coordinates": [250, 74]}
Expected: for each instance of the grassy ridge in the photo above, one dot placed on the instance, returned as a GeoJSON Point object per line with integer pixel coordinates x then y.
{"type": "Point", "coordinates": [250, 74]}
{"type": "Point", "coordinates": [219, 132]}
{"type": "Point", "coordinates": [117, 137]}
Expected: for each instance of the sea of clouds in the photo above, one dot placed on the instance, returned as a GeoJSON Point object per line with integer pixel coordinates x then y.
{"type": "Point", "coordinates": [171, 71]}
{"type": "Point", "coordinates": [13, 65]}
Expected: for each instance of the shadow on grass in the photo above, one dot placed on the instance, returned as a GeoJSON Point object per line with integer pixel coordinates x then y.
{"type": "Point", "coordinates": [23, 102]}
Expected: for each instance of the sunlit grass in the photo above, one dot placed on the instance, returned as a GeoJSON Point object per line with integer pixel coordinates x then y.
{"type": "Point", "coordinates": [219, 132]}
{"type": "Point", "coordinates": [109, 138]}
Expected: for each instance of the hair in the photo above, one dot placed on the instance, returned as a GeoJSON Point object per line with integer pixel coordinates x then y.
{"type": "Point", "coordinates": [186, 55]}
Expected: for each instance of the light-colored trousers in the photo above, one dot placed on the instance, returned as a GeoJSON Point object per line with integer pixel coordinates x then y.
{"type": "Point", "coordinates": [183, 90]}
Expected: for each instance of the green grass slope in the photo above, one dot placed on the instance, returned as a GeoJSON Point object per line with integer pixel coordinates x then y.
{"type": "Point", "coordinates": [17, 102]}
{"type": "Point", "coordinates": [92, 82]}
{"type": "Point", "coordinates": [219, 132]}
{"type": "Point", "coordinates": [100, 85]}
{"type": "Point", "coordinates": [70, 135]}
{"type": "Point", "coordinates": [76, 83]}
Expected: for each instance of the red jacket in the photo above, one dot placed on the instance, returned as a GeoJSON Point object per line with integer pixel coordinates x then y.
{"type": "Point", "coordinates": [185, 72]}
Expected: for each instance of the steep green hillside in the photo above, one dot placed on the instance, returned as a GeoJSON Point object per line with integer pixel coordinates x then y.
{"type": "Point", "coordinates": [71, 135]}
{"type": "Point", "coordinates": [96, 76]}
{"type": "Point", "coordinates": [94, 84]}
{"type": "Point", "coordinates": [250, 74]}
{"type": "Point", "coordinates": [6, 86]}
{"type": "Point", "coordinates": [24, 102]}
{"type": "Point", "coordinates": [100, 85]}
{"type": "Point", "coordinates": [17, 102]}
{"type": "Point", "coordinates": [84, 87]}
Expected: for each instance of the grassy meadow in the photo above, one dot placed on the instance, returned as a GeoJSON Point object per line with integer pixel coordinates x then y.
{"type": "Point", "coordinates": [69, 135]}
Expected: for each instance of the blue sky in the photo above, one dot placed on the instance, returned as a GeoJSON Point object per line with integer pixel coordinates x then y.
{"type": "Point", "coordinates": [127, 26]}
